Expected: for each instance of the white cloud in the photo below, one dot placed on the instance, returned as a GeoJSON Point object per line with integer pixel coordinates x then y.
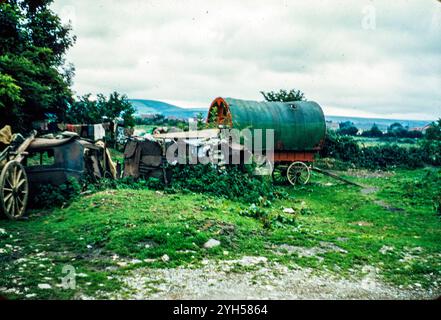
{"type": "Point", "coordinates": [193, 51]}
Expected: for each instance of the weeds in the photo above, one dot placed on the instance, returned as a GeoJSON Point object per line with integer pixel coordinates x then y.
{"type": "Point", "coordinates": [48, 196]}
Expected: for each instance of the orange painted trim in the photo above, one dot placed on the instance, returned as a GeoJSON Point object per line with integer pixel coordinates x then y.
{"type": "Point", "coordinates": [291, 156]}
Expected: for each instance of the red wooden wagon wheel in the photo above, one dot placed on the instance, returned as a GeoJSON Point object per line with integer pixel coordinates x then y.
{"type": "Point", "coordinates": [298, 173]}
{"type": "Point", "coordinates": [14, 190]}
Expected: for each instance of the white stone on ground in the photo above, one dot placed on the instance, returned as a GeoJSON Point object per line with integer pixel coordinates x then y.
{"type": "Point", "coordinates": [211, 243]}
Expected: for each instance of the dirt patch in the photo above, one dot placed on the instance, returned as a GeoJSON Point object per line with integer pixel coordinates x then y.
{"type": "Point", "coordinates": [220, 280]}
{"type": "Point", "coordinates": [362, 173]}
{"type": "Point", "coordinates": [368, 190]}
{"type": "Point", "coordinates": [323, 247]}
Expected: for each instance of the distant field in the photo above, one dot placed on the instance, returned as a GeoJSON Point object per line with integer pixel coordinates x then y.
{"type": "Point", "coordinates": [146, 128]}
{"type": "Point", "coordinates": [368, 142]}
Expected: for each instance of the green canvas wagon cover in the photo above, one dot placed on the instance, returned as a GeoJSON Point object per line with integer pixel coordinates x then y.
{"type": "Point", "coordinates": [298, 126]}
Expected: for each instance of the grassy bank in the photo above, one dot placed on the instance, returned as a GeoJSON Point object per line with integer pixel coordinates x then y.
{"type": "Point", "coordinates": [390, 225]}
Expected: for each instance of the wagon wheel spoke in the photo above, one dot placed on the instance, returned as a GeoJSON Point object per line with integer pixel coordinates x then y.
{"type": "Point", "coordinates": [17, 207]}
{"type": "Point", "coordinates": [18, 177]}
{"type": "Point", "coordinates": [20, 201]}
{"type": "Point", "coordinates": [298, 173]}
{"type": "Point", "coordinates": [20, 183]}
{"type": "Point", "coordinates": [11, 204]}
{"type": "Point", "coordinates": [14, 174]}
{"type": "Point", "coordinates": [8, 180]}
{"type": "Point", "coordinates": [13, 190]}
{"type": "Point", "coordinates": [7, 197]}
{"type": "Point", "coordinates": [301, 178]}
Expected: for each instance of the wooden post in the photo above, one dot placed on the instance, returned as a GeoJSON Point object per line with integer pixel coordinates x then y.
{"type": "Point", "coordinates": [333, 175]}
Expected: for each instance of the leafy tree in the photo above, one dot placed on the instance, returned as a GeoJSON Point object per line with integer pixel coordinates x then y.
{"type": "Point", "coordinates": [34, 77]}
{"type": "Point", "coordinates": [414, 134]}
{"type": "Point", "coordinates": [434, 131]}
{"type": "Point", "coordinates": [374, 132]}
{"type": "Point", "coordinates": [284, 95]}
{"type": "Point", "coordinates": [347, 128]}
{"type": "Point", "coordinates": [117, 106]}
{"type": "Point", "coordinates": [200, 120]}
{"type": "Point", "coordinates": [397, 130]}
{"type": "Point", "coordinates": [84, 110]}
{"type": "Point", "coordinates": [89, 111]}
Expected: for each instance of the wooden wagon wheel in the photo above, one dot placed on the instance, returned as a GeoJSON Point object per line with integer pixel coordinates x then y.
{"type": "Point", "coordinates": [14, 190]}
{"type": "Point", "coordinates": [298, 173]}
{"type": "Point", "coordinates": [280, 175]}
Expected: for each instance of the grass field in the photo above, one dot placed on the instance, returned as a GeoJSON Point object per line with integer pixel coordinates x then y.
{"type": "Point", "coordinates": [390, 225]}
{"type": "Point", "coordinates": [370, 142]}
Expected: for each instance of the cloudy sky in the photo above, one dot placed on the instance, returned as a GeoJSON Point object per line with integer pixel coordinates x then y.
{"type": "Point", "coordinates": [356, 58]}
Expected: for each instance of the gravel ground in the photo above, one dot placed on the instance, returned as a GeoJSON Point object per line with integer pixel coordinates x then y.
{"type": "Point", "coordinates": [256, 278]}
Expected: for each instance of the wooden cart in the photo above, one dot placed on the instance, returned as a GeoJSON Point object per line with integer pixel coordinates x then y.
{"type": "Point", "coordinates": [14, 183]}
{"type": "Point", "coordinates": [292, 167]}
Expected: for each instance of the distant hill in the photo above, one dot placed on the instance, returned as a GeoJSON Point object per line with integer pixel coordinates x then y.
{"type": "Point", "coordinates": [165, 109]}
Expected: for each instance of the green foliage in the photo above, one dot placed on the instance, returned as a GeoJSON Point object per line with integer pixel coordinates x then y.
{"type": "Point", "coordinates": [261, 212]}
{"type": "Point", "coordinates": [200, 121]}
{"type": "Point", "coordinates": [34, 78]}
{"type": "Point", "coordinates": [340, 147]}
{"type": "Point", "coordinates": [161, 120]}
{"type": "Point", "coordinates": [49, 196]}
{"type": "Point", "coordinates": [431, 151]}
{"type": "Point", "coordinates": [345, 148]}
{"type": "Point", "coordinates": [390, 155]}
{"type": "Point", "coordinates": [434, 131]}
{"type": "Point", "coordinates": [231, 182]}
{"type": "Point", "coordinates": [347, 128]}
{"type": "Point", "coordinates": [438, 206]}
{"type": "Point", "coordinates": [86, 110]}
{"type": "Point", "coordinates": [212, 117]}
{"type": "Point", "coordinates": [284, 95]}
{"type": "Point", "coordinates": [397, 130]}
{"type": "Point", "coordinates": [9, 92]}
{"type": "Point", "coordinates": [419, 187]}
{"type": "Point", "coordinates": [374, 132]}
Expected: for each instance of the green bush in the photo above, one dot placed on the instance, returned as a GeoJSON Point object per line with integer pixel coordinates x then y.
{"type": "Point", "coordinates": [438, 206]}
{"type": "Point", "coordinates": [232, 182]}
{"type": "Point", "coordinates": [345, 148]}
{"type": "Point", "coordinates": [340, 147]}
{"type": "Point", "coordinates": [431, 152]}
{"type": "Point", "coordinates": [49, 196]}
{"type": "Point", "coordinates": [269, 221]}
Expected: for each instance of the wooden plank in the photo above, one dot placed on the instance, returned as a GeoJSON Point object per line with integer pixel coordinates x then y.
{"type": "Point", "coordinates": [333, 175]}
{"type": "Point", "coordinates": [292, 156]}
{"type": "Point", "coordinates": [21, 150]}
